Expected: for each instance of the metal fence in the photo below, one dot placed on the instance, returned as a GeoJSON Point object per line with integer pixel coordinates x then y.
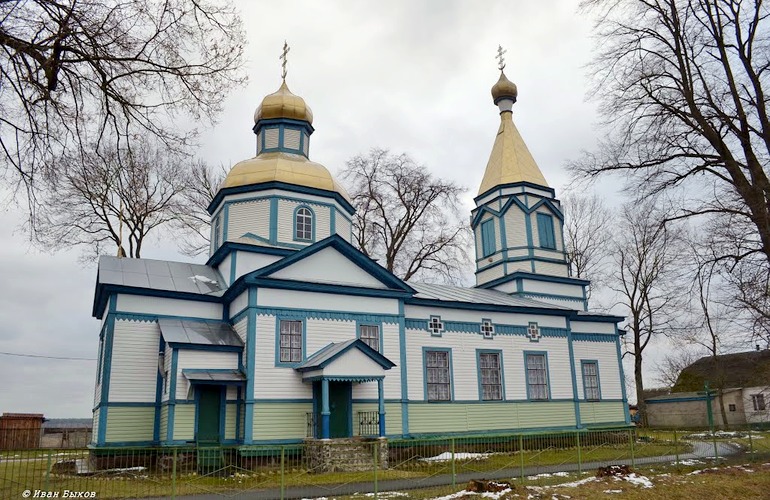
{"type": "Point", "coordinates": [340, 468]}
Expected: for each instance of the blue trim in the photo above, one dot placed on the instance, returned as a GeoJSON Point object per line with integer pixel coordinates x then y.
{"type": "Point", "coordinates": [206, 347]}
{"type": "Point", "coordinates": [159, 389]}
{"type": "Point", "coordinates": [297, 124]}
{"type": "Point", "coordinates": [287, 364]}
{"type": "Point", "coordinates": [346, 249]}
{"type": "Point", "coordinates": [573, 375]}
{"type": "Point", "coordinates": [216, 240]}
{"type": "Point", "coordinates": [622, 376]}
{"type": "Point", "coordinates": [251, 339]}
{"type": "Point", "coordinates": [425, 350]}
{"type": "Point", "coordinates": [332, 219]}
{"type": "Point", "coordinates": [233, 264]}
{"type": "Point", "coordinates": [538, 277]}
{"type": "Point", "coordinates": [273, 220]}
{"type": "Point", "coordinates": [226, 223]}
{"type": "Point", "coordinates": [499, 352]}
{"type": "Point", "coordinates": [547, 375]}
{"type": "Point", "coordinates": [380, 406]}
{"type": "Point", "coordinates": [359, 344]}
{"type": "Point", "coordinates": [595, 362]}
{"type": "Point", "coordinates": [109, 333]}
{"type": "Point", "coordinates": [500, 187]}
{"type": "Point", "coordinates": [325, 412]}
{"type": "Point", "coordinates": [312, 224]}
{"type": "Point", "coordinates": [594, 337]}
{"type": "Point", "coordinates": [548, 296]}
{"type": "Point", "coordinates": [404, 372]}
{"type": "Point", "coordinates": [677, 400]}
{"type": "Point", "coordinates": [231, 247]}
{"type": "Point", "coordinates": [338, 315]}
{"type": "Point", "coordinates": [264, 186]}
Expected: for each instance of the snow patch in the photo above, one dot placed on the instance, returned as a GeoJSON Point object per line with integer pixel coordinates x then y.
{"type": "Point", "coordinates": [446, 456]}
{"type": "Point", "coordinates": [638, 480]}
{"type": "Point", "coordinates": [204, 279]}
{"type": "Point", "coordinates": [612, 491]}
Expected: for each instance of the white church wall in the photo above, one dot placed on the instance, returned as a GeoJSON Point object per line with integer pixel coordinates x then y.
{"type": "Point", "coordinates": [515, 228]}
{"type": "Point", "coordinates": [286, 220]}
{"type": "Point", "coordinates": [249, 217]}
{"type": "Point", "coordinates": [575, 304]}
{"type": "Point", "coordinates": [553, 288]}
{"type": "Point", "coordinates": [134, 369]}
{"type": "Point", "coordinates": [490, 274]}
{"type": "Point", "coordinates": [592, 327]}
{"type": "Point", "coordinates": [168, 307]}
{"type": "Point", "coordinates": [246, 262]}
{"type": "Point", "coordinates": [293, 299]}
{"type": "Point", "coordinates": [273, 382]}
{"type": "Point", "coordinates": [239, 303]}
{"type": "Point", "coordinates": [551, 269]}
{"type": "Point", "coordinates": [342, 225]}
{"type": "Point", "coordinates": [328, 266]}
{"type": "Point", "coordinates": [422, 312]}
{"type": "Point", "coordinates": [195, 359]}
{"type": "Point", "coordinates": [240, 329]}
{"type": "Point", "coordinates": [605, 353]}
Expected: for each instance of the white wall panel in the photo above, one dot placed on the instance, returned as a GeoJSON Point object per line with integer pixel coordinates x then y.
{"type": "Point", "coordinates": [421, 312]}
{"type": "Point", "coordinates": [134, 369]}
{"type": "Point", "coordinates": [247, 262]}
{"type": "Point", "coordinates": [555, 288]}
{"type": "Point", "coordinates": [168, 307]}
{"type": "Point", "coordinates": [239, 303]}
{"type": "Point", "coordinates": [328, 266]}
{"type": "Point", "coordinates": [592, 327]}
{"type": "Point", "coordinates": [200, 360]}
{"type": "Point", "coordinates": [271, 382]}
{"type": "Point", "coordinates": [270, 297]}
{"type": "Point", "coordinates": [609, 371]}
{"type": "Point", "coordinates": [249, 217]}
{"type": "Point", "coordinates": [551, 269]}
{"type": "Point", "coordinates": [342, 225]}
{"type": "Point", "coordinates": [515, 227]}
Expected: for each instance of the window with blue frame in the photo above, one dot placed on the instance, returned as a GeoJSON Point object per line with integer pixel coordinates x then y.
{"type": "Point", "coordinates": [491, 376]}
{"type": "Point", "coordinates": [488, 246]}
{"type": "Point", "coordinates": [591, 390]}
{"type": "Point", "coordinates": [303, 224]}
{"type": "Point", "coordinates": [291, 341]}
{"type": "Point", "coordinates": [537, 376]}
{"type": "Point", "coordinates": [370, 334]}
{"type": "Point", "coordinates": [545, 231]}
{"type": "Point", "coordinates": [438, 376]}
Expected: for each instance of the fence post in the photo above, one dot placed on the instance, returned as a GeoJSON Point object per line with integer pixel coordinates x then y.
{"type": "Point", "coordinates": [283, 477]}
{"type": "Point", "coordinates": [376, 449]}
{"type": "Point", "coordinates": [454, 469]}
{"type": "Point", "coordinates": [173, 475]}
{"type": "Point", "coordinates": [632, 438]}
{"type": "Point", "coordinates": [751, 445]}
{"type": "Point", "coordinates": [580, 454]}
{"type": "Point", "coordinates": [48, 472]}
{"type": "Point", "coordinates": [676, 448]}
{"type": "Point", "coordinates": [521, 457]}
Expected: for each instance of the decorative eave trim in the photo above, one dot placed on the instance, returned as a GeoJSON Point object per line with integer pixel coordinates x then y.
{"type": "Point", "coordinates": [278, 121]}
{"type": "Point", "coordinates": [535, 277]}
{"type": "Point", "coordinates": [229, 247]}
{"type": "Point", "coordinates": [262, 186]}
{"type": "Point", "coordinates": [546, 311]}
{"type": "Point", "coordinates": [515, 184]}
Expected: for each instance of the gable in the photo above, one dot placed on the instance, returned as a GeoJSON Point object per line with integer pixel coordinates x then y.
{"type": "Point", "coordinates": [328, 266]}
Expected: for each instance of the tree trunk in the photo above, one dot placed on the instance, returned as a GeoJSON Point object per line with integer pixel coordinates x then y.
{"type": "Point", "coordinates": [640, 404]}
{"type": "Point", "coordinates": [720, 395]}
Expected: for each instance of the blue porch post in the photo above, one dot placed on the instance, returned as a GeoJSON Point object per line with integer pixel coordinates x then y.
{"type": "Point", "coordinates": [325, 413]}
{"type": "Point", "coordinates": [381, 404]}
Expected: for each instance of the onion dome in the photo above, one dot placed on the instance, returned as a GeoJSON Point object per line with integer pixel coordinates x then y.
{"type": "Point", "coordinates": [504, 89]}
{"type": "Point", "coordinates": [283, 104]}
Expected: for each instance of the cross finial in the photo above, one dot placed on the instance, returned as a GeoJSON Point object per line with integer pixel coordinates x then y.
{"type": "Point", "coordinates": [500, 58]}
{"type": "Point", "coordinates": [286, 50]}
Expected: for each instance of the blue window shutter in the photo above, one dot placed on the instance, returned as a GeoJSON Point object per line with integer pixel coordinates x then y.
{"type": "Point", "coordinates": [545, 231]}
{"type": "Point", "coordinates": [488, 238]}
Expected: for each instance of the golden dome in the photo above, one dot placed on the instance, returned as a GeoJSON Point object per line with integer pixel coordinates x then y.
{"type": "Point", "coordinates": [283, 104]}
{"type": "Point", "coordinates": [504, 88]}
{"type": "Point", "coordinates": [283, 167]}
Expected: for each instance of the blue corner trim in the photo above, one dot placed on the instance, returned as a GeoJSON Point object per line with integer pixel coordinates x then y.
{"type": "Point", "coordinates": [573, 374]}
{"type": "Point", "coordinates": [107, 369]}
{"type": "Point", "coordinates": [250, 362]}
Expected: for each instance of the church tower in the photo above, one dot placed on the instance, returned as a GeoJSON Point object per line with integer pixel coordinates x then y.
{"type": "Point", "coordinates": [518, 222]}
{"type": "Point", "coordinates": [279, 201]}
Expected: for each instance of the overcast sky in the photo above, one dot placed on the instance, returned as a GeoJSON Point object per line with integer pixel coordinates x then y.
{"type": "Point", "coordinates": [410, 76]}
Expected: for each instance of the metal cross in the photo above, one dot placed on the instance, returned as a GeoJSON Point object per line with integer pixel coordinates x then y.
{"type": "Point", "coordinates": [500, 58]}
{"type": "Point", "coordinates": [286, 50]}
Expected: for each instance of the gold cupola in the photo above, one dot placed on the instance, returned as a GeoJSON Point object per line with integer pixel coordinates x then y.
{"type": "Point", "coordinates": [283, 104]}
{"type": "Point", "coordinates": [510, 161]}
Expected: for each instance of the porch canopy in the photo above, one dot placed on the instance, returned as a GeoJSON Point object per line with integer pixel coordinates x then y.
{"type": "Point", "coordinates": [350, 361]}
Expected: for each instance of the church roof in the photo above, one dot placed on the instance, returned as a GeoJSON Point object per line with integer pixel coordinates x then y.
{"type": "Point", "coordinates": [510, 160]}
{"type": "Point", "coordinates": [160, 275]}
{"type": "Point", "coordinates": [181, 331]}
{"type": "Point", "coordinates": [475, 295]}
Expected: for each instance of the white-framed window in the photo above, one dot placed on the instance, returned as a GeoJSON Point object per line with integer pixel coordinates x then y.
{"type": "Point", "coordinates": [487, 328]}
{"type": "Point", "coordinates": [303, 224]}
{"type": "Point", "coordinates": [591, 380]}
{"type": "Point", "coordinates": [758, 400]}
{"type": "Point", "coordinates": [436, 326]}
{"type": "Point", "coordinates": [290, 341]}
{"type": "Point", "coordinates": [537, 376]}
{"type": "Point", "coordinates": [491, 376]}
{"type": "Point", "coordinates": [370, 334]}
{"type": "Point", "coordinates": [438, 376]}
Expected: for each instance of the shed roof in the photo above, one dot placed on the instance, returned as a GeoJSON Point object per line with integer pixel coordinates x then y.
{"type": "Point", "coordinates": [743, 369]}
{"type": "Point", "coordinates": [198, 332]}
{"type": "Point", "coordinates": [160, 275]}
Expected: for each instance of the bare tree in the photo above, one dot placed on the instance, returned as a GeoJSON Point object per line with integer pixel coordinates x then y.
{"type": "Point", "coordinates": [587, 236]}
{"type": "Point", "coordinates": [645, 277]}
{"type": "Point", "coordinates": [193, 220]}
{"type": "Point", "coordinates": [672, 365]}
{"type": "Point", "coordinates": [112, 199]}
{"type": "Point", "coordinates": [82, 74]}
{"type": "Point", "coordinates": [406, 217]}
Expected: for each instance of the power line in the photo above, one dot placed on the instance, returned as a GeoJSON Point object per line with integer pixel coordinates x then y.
{"type": "Point", "coordinates": [45, 357]}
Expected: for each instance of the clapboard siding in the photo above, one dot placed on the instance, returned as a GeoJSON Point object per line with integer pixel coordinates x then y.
{"type": "Point", "coordinates": [421, 312]}
{"type": "Point", "coordinates": [272, 382]}
{"type": "Point", "coordinates": [249, 217]}
{"type": "Point", "coordinates": [95, 426]}
{"type": "Point", "coordinates": [328, 266]}
{"type": "Point", "coordinates": [184, 422]}
{"type": "Point", "coordinates": [392, 416]}
{"type": "Point", "coordinates": [134, 369]}
{"type": "Point", "coordinates": [342, 225]}
{"type": "Point", "coordinates": [240, 328]}
{"type": "Point", "coordinates": [231, 414]}
{"type": "Point", "coordinates": [464, 366]}
{"type": "Point", "coordinates": [127, 424]}
{"type": "Point", "coordinates": [490, 274]}
{"type": "Point", "coordinates": [457, 417]}
{"type": "Point", "coordinates": [609, 370]}
{"type": "Point", "coordinates": [591, 327]}
{"type": "Point", "coordinates": [515, 227]}
{"type": "Point", "coordinates": [602, 412]}
{"type": "Point", "coordinates": [201, 360]}
{"type": "Point", "coordinates": [291, 299]}
{"type": "Point", "coordinates": [292, 416]}
{"type": "Point", "coordinates": [286, 220]}
{"type": "Point", "coordinates": [239, 303]}
{"type": "Point", "coordinates": [551, 269]}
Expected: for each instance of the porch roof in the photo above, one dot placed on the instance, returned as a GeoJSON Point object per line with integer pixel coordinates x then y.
{"type": "Point", "coordinates": [214, 376]}
{"type": "Point", "coordinates": [352, 360]}
{"type": "Point", "coordinates": [214, 333]}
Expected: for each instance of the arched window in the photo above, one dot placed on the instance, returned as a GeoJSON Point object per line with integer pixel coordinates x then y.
{"type": "Point", "coordinates": [303, 224]}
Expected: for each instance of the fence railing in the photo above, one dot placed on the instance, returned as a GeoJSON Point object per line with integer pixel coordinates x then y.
{"type": "Point", "coordinates": [366, 465]}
